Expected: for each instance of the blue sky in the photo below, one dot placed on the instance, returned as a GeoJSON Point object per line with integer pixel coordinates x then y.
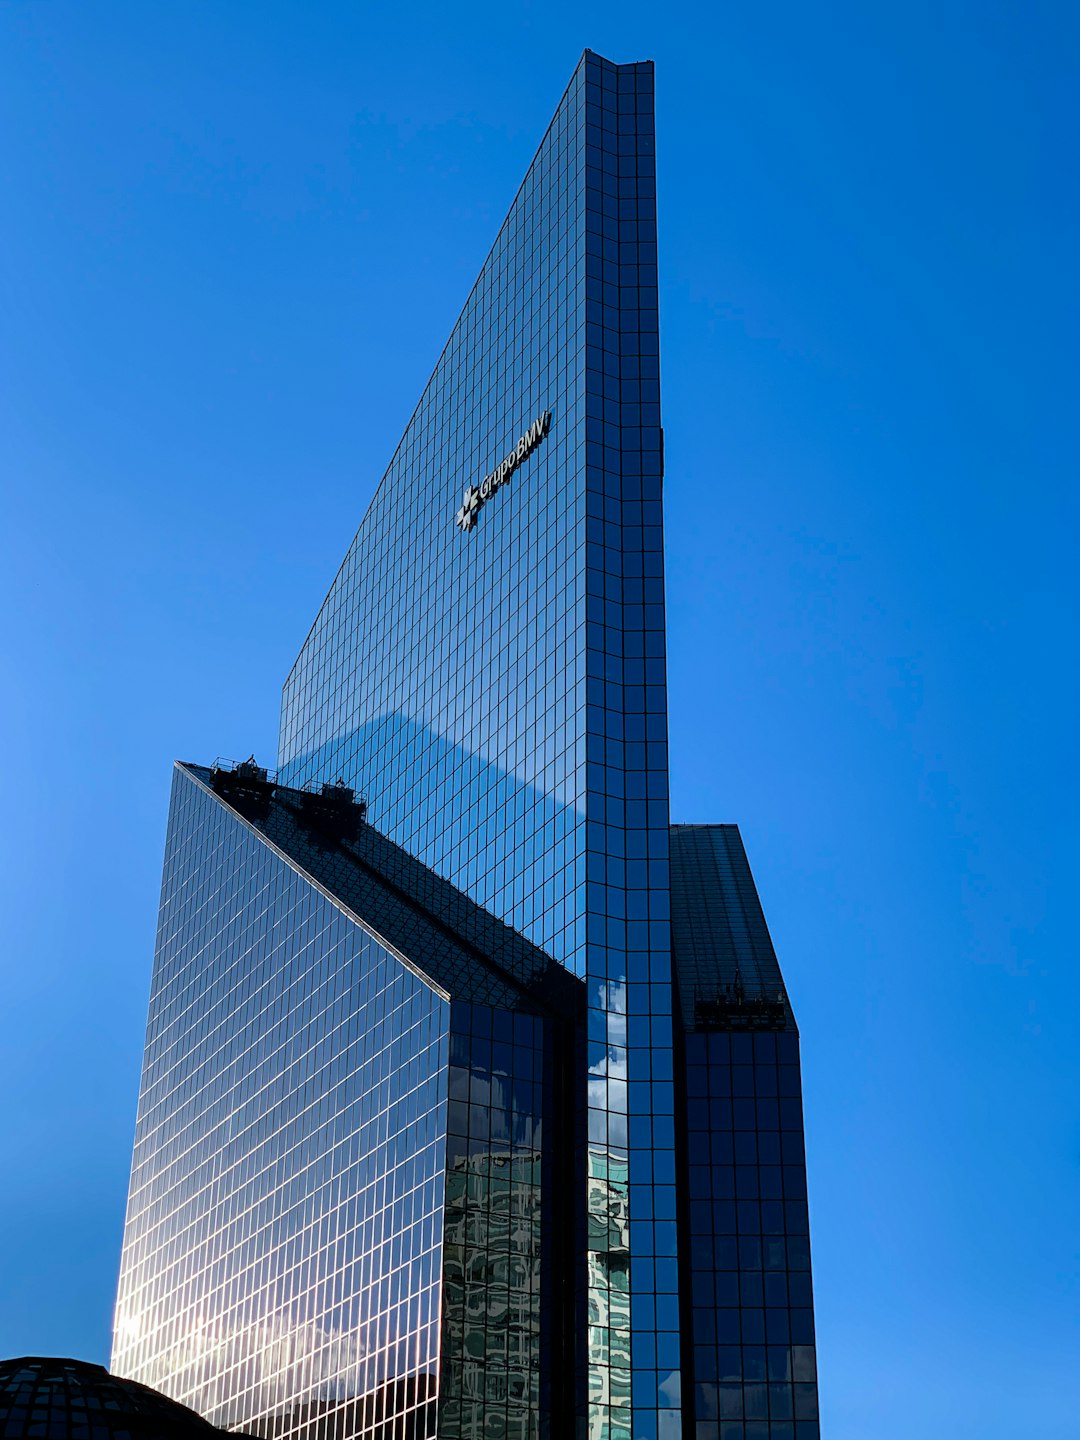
{"type": "Point", "coordinates": [234, 238]}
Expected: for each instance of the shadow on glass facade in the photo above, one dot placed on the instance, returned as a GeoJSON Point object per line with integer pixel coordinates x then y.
{"type": "Point", "coordinates": [430, 1078]}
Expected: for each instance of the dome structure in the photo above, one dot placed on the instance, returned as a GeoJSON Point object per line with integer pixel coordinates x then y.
{"type": "Point", "coordinates": [71, 1400]}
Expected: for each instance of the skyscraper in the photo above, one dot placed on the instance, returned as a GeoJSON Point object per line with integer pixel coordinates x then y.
{"type": "Point", "coordinates": [470, 1102]}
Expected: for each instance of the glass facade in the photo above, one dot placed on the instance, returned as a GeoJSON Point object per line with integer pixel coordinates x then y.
{"type": "Point", "coordinates": [748, 1307]}
{"type": "Point", "coordinates": [479, 1203]}
{"type": "Point", "coordinates": [498, 690]}
{"type": "Point", "coordinates": [282, 1250]}
{"type": "Point", "coordinates": [445, 674]}
{"type": "Point", "coordinates": [497, 1334]}
{"type": "Point", "coordinates": [352, 1196]}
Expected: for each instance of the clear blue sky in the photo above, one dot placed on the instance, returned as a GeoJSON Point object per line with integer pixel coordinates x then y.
{"type": "Point", "coordinates": [232, 241]}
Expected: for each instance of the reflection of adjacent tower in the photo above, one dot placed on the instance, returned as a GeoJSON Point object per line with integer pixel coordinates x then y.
{"type": "Point", "coordinates": [492, 1318]}
{"type": "Point", "coordinates": [507, 1318]}
{"type": "Point", "coordinates": [609, 1289]}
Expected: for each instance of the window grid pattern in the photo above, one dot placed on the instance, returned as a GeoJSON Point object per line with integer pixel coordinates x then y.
{"type": "Point", "coordinates": [445, 674]}
{"type": "Point", "coordinates": [754, 1362]}
{"type": "Point", "coordinates": [496, 1337]}
{"type": "Point", "coordinates": [634, 1363]}
{"type": "Point", "coordinates": [282, 1251]}
{"type": "Point", "coordinates": [448, 675]}
{"type": "Point", "coordinates": [750, 1363]}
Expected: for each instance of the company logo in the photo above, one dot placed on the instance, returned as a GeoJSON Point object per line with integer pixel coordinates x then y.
{"type": "Point", "coordinates": [476, 495]}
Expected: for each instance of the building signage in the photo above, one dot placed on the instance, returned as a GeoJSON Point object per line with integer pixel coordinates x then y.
{"type": "Point", "coordinates": [476, 495]}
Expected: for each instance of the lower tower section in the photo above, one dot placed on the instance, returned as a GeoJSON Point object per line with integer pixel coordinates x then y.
{"type": "Point", "coordinates": [352, 1198]}
{"type": "Point", "coordinates": [749, 1358]}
